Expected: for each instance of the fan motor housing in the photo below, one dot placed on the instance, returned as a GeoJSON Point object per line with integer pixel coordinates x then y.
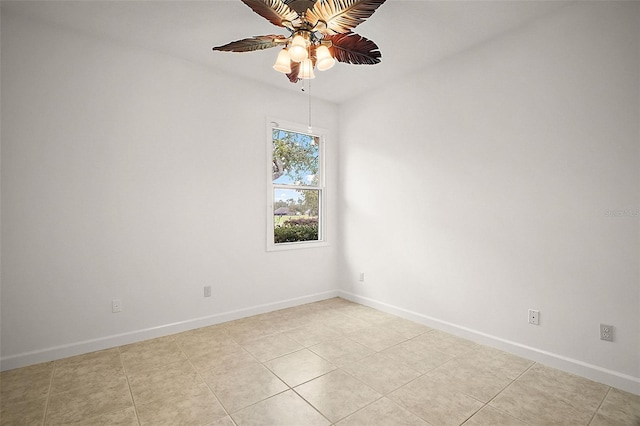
{"type": "Point", "coordinates": [301, 6]}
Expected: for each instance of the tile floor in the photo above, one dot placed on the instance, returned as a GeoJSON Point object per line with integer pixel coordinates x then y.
{"type": "Point", "coordinates": [327, 363]}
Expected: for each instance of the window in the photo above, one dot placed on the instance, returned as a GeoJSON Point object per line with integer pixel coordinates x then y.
{"type": "Point", "coordinates": [296, 188]}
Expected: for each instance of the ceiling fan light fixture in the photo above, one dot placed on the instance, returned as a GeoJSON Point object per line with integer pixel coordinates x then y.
{"type": "Point", "coordinates": [283, 62]}
{"type": "Point", "coordinates": [299, 45]}
{"type": "Point", "coordinates": [320, 33]}
{"type": "Point", "coordinates": [306, 70]}
{"type": "Point", "coordinates": [324, 58]}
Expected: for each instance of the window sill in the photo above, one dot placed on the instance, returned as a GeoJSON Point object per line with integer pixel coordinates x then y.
{"type": "Point", "coordinates": [297, 246]}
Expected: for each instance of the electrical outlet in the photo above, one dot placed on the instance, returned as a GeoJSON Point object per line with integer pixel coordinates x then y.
{"type": "Point", "coordinates": [534, 317]}
{"type": "Point", "coordinates": [361, 277]}
{"type": "Point", "coordinates": [207, 291]}
{"type": "Point", "coordinates": [116, 306]}
{"type": "Point", "coordinates": [606, 332]}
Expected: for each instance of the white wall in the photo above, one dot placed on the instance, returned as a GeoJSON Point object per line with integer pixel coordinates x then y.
{"type": "Point", "coordinates": [470, 192]}
{"type": "Point", "coordinates": [478, 188]}
{"type": "Point", "coordinates": [127, 174]}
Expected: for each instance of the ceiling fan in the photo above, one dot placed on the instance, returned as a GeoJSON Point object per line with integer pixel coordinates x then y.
{"type": "Point", "coordinates": [319, 34]}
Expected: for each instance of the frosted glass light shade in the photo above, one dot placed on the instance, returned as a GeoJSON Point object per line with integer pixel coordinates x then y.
{"type": "Point", "coordinates": [283, 63]}
{"type": "Point", "coordinates": [306, 70]}
{"type": "Point", "coordinates": [298, 49]}
{"type": "Point", "coordinates": [324, 58]}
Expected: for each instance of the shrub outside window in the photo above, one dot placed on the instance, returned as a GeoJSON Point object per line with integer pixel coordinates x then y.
{"type": "Point", "coordinates": [296, 188]}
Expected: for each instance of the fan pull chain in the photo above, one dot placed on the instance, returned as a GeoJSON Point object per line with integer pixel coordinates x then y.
{"type": "Point", "coordinates": [309, 94]}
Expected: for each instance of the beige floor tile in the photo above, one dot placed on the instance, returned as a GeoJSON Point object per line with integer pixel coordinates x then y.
{"type": "Point", "coordinates": [417, 355]}
{"type": "Point", "coordinates": [204, 341]}
{"type": "Point", "coordinates": [240, 387]}
{"type": "Point", "coordinates": [337, 394]}
{"type": "Point", "coordinates": [348, 307]}
{"type": "Point", "coordinates": [197, 407]}
{"type": "Point", "coordinates": [580, 393]}
{"type": "Point", "coordinates": [26, 372]}
{"type": "Point", "coordinates": [242, 331]}
{"type": "Point", "coordinates": [80, 370]}
{"type": "Point", "coordinates": [23, 413]}
{"type": "Point", "coordinates": [344, 324]}
{"type": "Point", "coordinates": [298, 318]}
{"type": "Point", "coordinates": [618, 408]}
{"type": "Point", "coordinates": [447, 343]}
{"type": "Point", "coordinates": [96, 386]}
{"type": "Point", "coordinates": [436, 401]}
{"type": "Point", "coordinates": [25, 384]}
{"type": "Point", "coordinates": [334, 302]}
{"type": "Point", "coordinates": [285, 409]}
{"type": "Point", "coordinates": [376, 338]}
{"type": "Point", "coordinates": [383, 412]}
{"type": "Point", "coordinates": [405, 328]}
{"type": "Point", "coordinates": [225, 421]}
{"type": "Point", "coordinates": [215, 331]}
{"type": "Point", "coordinates": [90, 401]}
{"type": "Point", "coordinates": [270, 347]}
{"type": "Point", "coordinates": [319, 319]}
{"type": "Point", "coordinates": [166, 382]}
{"type": "Point", "coordinates": [239, 323]}
{"type": "Point", "coordinates": [150, 354]}
{"type": "Point", "coordinates": [538, 408]}
{"type": "Point", "coordinates": [382, 373]}
{"type": "Point", "coordinates": [280, 322]}
{"type": "Point", "coordinates": [476, 382]}
{"type": "Point", "coordinates": [299, 367]}
{"type": "Point", "coordinates": [306, 309]}
{"type": "Point", "coordinates": [489, 416]}
{"type": "Point", "coordinates": [498, 362]}
{"type": "Point", "coordinates": [126, 417]}
{"type": "Point", "coordinates": [206, 348]}
{"type": "Point", "coordinates": [341, 351]}
{"type": "Point", "coordinates": [365, 313]}
{"type": "Point", "coordinates": [224, 357]}
{"type": "Point", "coordinates": [310, 335]}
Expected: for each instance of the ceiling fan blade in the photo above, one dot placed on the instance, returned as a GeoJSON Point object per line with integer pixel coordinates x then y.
{"type": "Point", "coordinates": [275, 11]}
{"type": "Point", "coordinates": [253, 43]}
{"type": "Point", "coordinates": [295, 70]}
{"type": "Point", "coordinates": [341, 16]}
{"type": "Point", "coordinates": [352, 48]}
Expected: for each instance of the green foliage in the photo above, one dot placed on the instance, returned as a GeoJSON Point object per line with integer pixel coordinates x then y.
{"type": "Point", "coordinates": [310, 202]}
{"type": "Point", "coordinates": [295, 155]}
{"type": "Point", "coordinates": [296, 230]}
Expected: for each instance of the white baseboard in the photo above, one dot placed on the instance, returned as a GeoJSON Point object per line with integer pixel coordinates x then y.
{"type": "Point", "coordinates": [593, 372]}
{"type": "Point", "coordinates": [78, 348]}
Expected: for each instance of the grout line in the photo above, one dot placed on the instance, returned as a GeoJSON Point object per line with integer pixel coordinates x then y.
{"type": "Point", "coordinates": [46, 406]}
{"type": "Point", "coordinates": [126, 375]}
{"type": "Point", "coordinates": [595, 413]}
{"type": "Point", "coordinates": [206, 384]}
{"type": "Point", "coordinates": [312, 406]}
{"type": "Point", "coordinates": [507, 387]}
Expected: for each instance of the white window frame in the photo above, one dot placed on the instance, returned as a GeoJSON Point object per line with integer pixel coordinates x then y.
{"type": "Point", "coordinates": [322, 208]}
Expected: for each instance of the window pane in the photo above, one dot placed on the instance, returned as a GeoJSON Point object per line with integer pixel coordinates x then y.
{"type": "Point", "coordinates": [295, 215]}
{"type": "Point", "coordinates": [295, 158]}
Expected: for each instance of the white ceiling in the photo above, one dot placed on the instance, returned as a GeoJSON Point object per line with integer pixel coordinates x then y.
{"type": "Point", "coordinates": [411, 34]}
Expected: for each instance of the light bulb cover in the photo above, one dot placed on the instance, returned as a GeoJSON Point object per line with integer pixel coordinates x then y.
{"type": "Point", "coordinates": [306, 70]}
{"type": "Point", "coordinates": [283, 62]}
{"type": "Point", "coordinates": [298, 48]}
{"type": "Point", "coordinates": [324, 58]}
